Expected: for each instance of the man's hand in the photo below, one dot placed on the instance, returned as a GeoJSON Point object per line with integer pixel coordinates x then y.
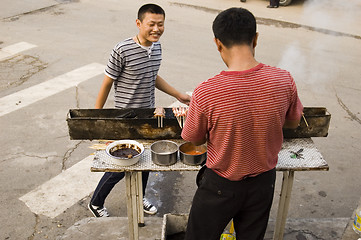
{"type": "Point", "coordinates": [162, 85]}
{"type": "Point", "coordinates": [184, 98]}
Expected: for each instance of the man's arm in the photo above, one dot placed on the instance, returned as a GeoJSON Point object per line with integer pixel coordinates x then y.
{"type": "Point", "coordinates": [103, 92]}
{"type": "Point", "coordinates": [197, 143]}
{"type": "Point", "coordinates": [163, 86]}
{"type": "Point", "coordinates": [291, 124]}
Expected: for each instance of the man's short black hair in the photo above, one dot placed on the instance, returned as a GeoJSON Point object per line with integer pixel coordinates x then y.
{"type": "Point", "coordinates": [149, 8]}
{"type": "Point", "coordinates": [235, 26]}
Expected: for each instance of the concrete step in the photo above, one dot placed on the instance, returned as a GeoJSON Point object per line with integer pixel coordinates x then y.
{"type": "Point", "coordinates": [296, 229]}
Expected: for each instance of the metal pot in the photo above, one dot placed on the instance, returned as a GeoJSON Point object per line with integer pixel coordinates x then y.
{"type": "Point", "coordinates": [164, 152]}
{"type": "Point", "coordinates": [191, 154]}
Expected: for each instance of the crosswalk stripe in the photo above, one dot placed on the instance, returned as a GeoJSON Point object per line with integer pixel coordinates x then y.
{"type": "Point", "coordinates": [15, 49]}
{"type": "Point", "coordinates": [63, 191]}
{"type": "Point", "coordinates": [46, 89]}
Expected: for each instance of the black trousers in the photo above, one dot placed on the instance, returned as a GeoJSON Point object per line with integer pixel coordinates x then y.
{"type": "Point", "coordinates": [274, 3]}
{"type": "Point", "coordinates": [106, 184]}
{"type": "Point", "coordinates": [218, 200]}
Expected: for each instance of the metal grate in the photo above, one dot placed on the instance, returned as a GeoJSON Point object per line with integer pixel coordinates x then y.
{"type": "Point", "coordinates": [312, 160]}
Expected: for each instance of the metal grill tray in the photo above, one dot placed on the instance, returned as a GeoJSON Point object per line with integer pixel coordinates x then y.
{"type": "Point", "coordinates": [139, 123]}
{"type": "Point", "coordinates": [312, 160]}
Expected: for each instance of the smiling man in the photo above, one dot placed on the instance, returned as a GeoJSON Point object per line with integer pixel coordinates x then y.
{"type": "Point", "coordinates": [133, 71]}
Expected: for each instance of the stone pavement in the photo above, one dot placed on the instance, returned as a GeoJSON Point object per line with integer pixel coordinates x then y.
{"type": "Point", "coordinates": [349, 233]}
{"type": "Point", "coordinates": [296, 229]}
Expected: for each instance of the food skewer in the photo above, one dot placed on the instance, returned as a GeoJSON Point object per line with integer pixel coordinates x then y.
{"type": "Point", "coordinates": [303, 116]}
{"type": "Point", "coordinates": [159, 113]}
{"type": "Point", "coordinates": [180, 113]}
{"type": "Point", "coordinates": [183, 114]}
{"type": "Point", "coordinates": [176, 114]}
{"type": "Point", "coordinates": [180, 121]}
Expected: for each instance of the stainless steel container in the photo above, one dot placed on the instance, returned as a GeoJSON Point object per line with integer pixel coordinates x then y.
{"type": "Point", "coordinates": [164, 152]}
{"type": "Point", "coordinates": [191, 154]}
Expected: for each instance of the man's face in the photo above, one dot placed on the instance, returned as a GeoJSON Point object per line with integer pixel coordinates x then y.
{"type": "Point", "coordinates": [151, 28]}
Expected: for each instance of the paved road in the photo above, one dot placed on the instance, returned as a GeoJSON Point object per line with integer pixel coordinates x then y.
{"type": "Point", "coordinates": [51, 60]}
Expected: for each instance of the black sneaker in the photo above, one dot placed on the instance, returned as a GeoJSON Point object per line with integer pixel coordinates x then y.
{"type": "Point", "coordinates": [97, 211]}
{"type": "Point", "coordinates": [148, 207]}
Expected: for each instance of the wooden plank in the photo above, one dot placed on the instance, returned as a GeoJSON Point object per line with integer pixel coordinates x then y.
{"type": "Point", "coordinates": [291, 175]}
{"type": "Point", "coordinates": [128, 177]}
{"type": "Point", "coordinates": [140, 199]}
{"type": "Point", "coordinates": [132, 208]}
{"type": "Point", "coordinates": [134, 205]}
{"type": "Point", "coordinates": [283, 205]}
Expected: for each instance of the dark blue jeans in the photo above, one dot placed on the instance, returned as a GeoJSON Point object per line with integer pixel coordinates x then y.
{"type": "Point", "coordinates": [106, 184]}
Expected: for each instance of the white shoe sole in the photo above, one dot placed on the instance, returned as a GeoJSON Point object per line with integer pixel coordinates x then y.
{"type": "Point", "coordinates": [92, 211]}
{"type": "Point", "coordinates": [150, 213]}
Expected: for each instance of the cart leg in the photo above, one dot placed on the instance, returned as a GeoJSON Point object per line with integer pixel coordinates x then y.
{"type": "Point", "coordinates": [132, 206]}
{"type": "Point", "coordinates": [140, 200]}
{"type": "Point", "coordinates": [284, 202]}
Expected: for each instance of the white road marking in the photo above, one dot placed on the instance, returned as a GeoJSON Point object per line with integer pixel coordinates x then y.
{"type": "Point", "coordinates": [63, 191]}
{"type": "Point", "coordinates": [14, 49]}
{"type": "Point", "coordinates": [46, 89]}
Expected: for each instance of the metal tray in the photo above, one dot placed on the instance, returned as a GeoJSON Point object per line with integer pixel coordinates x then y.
{"type": "Point", "coordinates": [127, 123]}
{"type": "Point", "coordinates": [318, 120]}
{"type": "Point", "coordinates": [139, 123]}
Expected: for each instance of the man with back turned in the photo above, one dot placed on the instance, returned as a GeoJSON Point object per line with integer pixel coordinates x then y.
{"type": "Point", "coordinates": [240, 114]}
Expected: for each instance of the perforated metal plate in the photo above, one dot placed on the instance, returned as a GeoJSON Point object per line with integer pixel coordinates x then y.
{"type": "Point", "coordinates": [311, 160]}
{"type": "Point", "coordinates": [311, 157]}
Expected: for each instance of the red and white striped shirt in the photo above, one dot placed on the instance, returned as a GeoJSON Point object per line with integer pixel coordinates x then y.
{"type": "Point", "coordinates": [242, 113]}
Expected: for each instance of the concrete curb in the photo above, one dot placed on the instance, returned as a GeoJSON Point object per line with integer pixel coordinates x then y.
{"type": "Point", "coordinates": [117, 228]}
{"type": "Point", "coordinates": [349, 233]}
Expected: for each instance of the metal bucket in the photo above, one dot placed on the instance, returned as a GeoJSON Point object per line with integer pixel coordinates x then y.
{"type": "Point", "coordinates": [164, 152]}
{"type": "Point", "coordinates": [191, 154]}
